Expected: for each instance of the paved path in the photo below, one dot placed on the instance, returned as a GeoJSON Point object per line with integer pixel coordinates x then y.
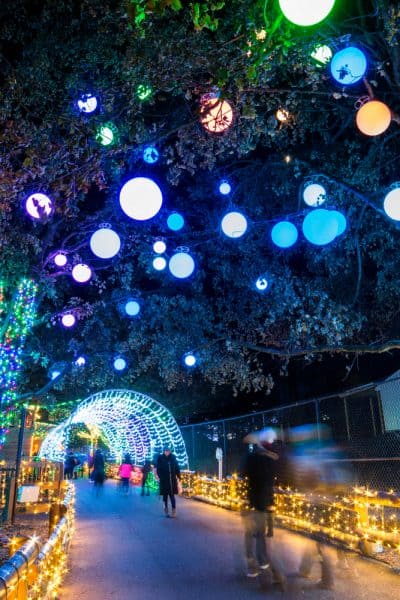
{"type": "Point", "coordinates": [125, 549]}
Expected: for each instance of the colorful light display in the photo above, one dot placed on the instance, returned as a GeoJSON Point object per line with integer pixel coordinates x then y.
{"type": "Point", "coordinates": [107, 134]}
{"type": "Point", "coordinates": [262, 283]}
{"type": "Point", "coordinates": [18, 319]}
{"type": "Point", "coordinates": [130, 421]}
{"type": "Point", "coordinates": [159, 263]}
{"type": "Point", "coordinates": [150, 155]}
{"type": "Point", "coordinates": [320, 227]}
{"type": "Point", "coordinates": [225, 188]}
{"type": "Point", "coordinates": [189, 359]}
{"type": "Point", "coordinates": [132, 308]}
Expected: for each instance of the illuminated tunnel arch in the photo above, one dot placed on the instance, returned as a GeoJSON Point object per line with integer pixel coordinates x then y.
{"type": "Point", "coordinates": [130, 421]}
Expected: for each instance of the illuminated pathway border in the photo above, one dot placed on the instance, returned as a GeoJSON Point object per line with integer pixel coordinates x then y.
{"type": "Point", "coordinates": [130, 421]}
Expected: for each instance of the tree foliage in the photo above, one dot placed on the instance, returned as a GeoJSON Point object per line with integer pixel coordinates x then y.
{"type": "Point", "coordinates": [342, 297]}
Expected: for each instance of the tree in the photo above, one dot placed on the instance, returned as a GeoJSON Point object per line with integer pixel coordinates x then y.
{"type": "Point", "coordinates": [150, 65]}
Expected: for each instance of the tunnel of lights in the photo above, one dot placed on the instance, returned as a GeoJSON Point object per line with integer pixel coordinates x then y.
{"type": "Point", "coordinates": [130, 422]}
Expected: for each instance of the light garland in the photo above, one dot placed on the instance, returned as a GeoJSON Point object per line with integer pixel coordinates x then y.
{"type": "Point", "coordinates": [18, 320]}
{"type": "Point", "coordinates": [131, 422]}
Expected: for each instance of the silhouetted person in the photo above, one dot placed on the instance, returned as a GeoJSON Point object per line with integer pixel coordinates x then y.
{"type": "Point", "coordinates": [168, 473]}
{"type": "Point", "coordinates": [125, 470]}
{"type": "Point", "coordinates": [99, 469]}
{"type": "Point", "coordinates": [69, 464]}
{"type": "Point", "coordinates": [146, 470]}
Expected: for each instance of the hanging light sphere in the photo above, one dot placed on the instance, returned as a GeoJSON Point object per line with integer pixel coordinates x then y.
{"type": "Point", "coordinates": [175, 222]}
{"type": "Point", "coordinates": [181, 265]}
{"type": "Point", "coordinates": [234, 224]}
{"type": "Point", "coordinates": [189, 359]}
{"type": "Point", "coordinates": [216, 115]}
{"type": "Point", "coordinates": [373, 118]}
{"type": "Point", "coordinates": [159, 247]}
{"type": "Point", "coordinates": [224, 188]}
{"type": "Point", "coordinates": [80, 361]}
{"type": "Point", "coordinates": [119, 364]}
{"type": "Point", "coordinates": [320, 227]}
{"type": "Point", "coordinates": [341, 221]}
{"type": "Point", "coordinates": [68, 320]}
{"type": "Point", "coordinates": [105, 243]}
{"type": "Point", "coordinates": [60, 259]}
{"type": "Point", "coordinates": [282, 115]}
{"type": "Point", "coordinates": [321, 54]}
{"type": "Point", "coordinates": [314, 194]}
{"type": "Point", "coordinates": [81, 273]}
{"type": "Point", "coordinates": [132, 308]}
{"type": "Point", "coordinates": [87, 103]}
{"type": "Point", "coordinates": [143, 92]}
{"type": "Point", "coordinates": [159, 263]}
{"type": "Point", "coordinates": [391, 204]}
{"type": "Point", "coordinates": [284, 234]}
{"type": "Point", "coordinates": [107, 134]}
{"type": "Point", "coordinates": [348, 65]}
{"type": "Point", "coordinates": [150, 155]}
{"type": "Point", "coordinates": [306, 12]}
{"type": "Point", "coordinates": [39, 207]}
{"type": "Point", "coordinates": [140, 198]}
{"type": "Point", "coordinates": [262, 283]}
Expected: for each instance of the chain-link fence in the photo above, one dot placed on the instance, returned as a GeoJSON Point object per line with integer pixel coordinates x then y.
{"type": "Point", "coordinates": [364, 423]}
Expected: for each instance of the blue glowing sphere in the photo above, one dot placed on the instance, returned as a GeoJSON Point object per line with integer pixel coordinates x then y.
{"type": "Point", "coordinates": [234, 224]}
{"type": "Point", "coordinates": [391, 204]}
{"type": "Point", "coordinates": [140, 198]}
{"type": "Point", "coordinates": [189, 360]}
{"type": "Point", "coordinates": [175, 221]}
{"type": "Point", "coordinates": [284, 234]}
{"type": "Point", "coordinates": [262, 283]}
{"type": "Point", "coordinates": [150, 155]}
{"type": "Point", "coordinates": [119, 364]}
{"type": "Point", "coordinates": [132, 308]}
{"type": "Point", "coordinates": [320, 227]}
{"type": "Point", "coordinates": [348, 65]}
{"type": "Point", "coordinates": [105, 243]}
{"type": "Point", "coordinates": [159, 263]}
{"type": "Point", "coordinates": [341, 221]}
{"type": "Point", "coordinates": [224, 188]}
{"type": "Point", "coordinates": [181, 265]}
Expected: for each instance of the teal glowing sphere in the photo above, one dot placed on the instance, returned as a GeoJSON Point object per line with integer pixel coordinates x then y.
{"type": "Point", "coordinates": [341, 221]}
{"type": "Point", "coordinates": [320, 227]}
{"type": "Point", "coordinates": [349, 65]}
{"type": "Point", "coordinates": [150, 155]}
{"type": "Point", "coordinates": [175, 221]}
{"type": "Point", "coordinates": [306, 12]}
{"type": "Point", "coordinates": [119, 364]}
{"type": "Point", "coordinates": [132, 308]}
{"type": "Point", "coordinates": [284, 234]}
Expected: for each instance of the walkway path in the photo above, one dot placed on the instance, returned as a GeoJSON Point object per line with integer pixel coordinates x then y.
{"type": "Point", "coordinates": [125, 549]}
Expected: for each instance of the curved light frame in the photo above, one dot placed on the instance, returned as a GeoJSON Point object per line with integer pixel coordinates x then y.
{"type": "Point", "coordinates": [130, 421]}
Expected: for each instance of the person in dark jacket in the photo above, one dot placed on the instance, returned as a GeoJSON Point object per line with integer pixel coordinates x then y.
{"type": "Point", "coordinates": [168, 473]}
{"type": "Point", "coordinates": [259, 469]}
{"type": "Point", "coordinates": [69, 464]}
{"type": "Point", "coordinates": [146, 470]}
{"type": "Point", "coordinates": [99, 469]}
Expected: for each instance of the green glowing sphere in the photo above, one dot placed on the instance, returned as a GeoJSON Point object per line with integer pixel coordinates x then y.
{"type": "Point", "coordinates": [322, 55]}
{"type": "Point", "coordinates": [143, 92]}
{"type": "Point", "coordinates": [106, 134]}
{"type": "Point", "coordinates": [306, 12]}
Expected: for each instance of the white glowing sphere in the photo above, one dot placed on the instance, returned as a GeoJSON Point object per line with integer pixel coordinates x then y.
{"type": "Point", "coordinates": [189, 360]}
{"type": "Point", "coordinates": [81, 273]}
{"type": "Point", "coordinates": [87, 103]}
{"type": "Point", "coordinates": [119, 364]}
{"type": "Point", "coordinates": [181, 265]}
{"type": "Point", "coordinates": [140, 198]}
{"type": "Point", "coordinates": [224, 188]}
{"type": "Point", "coordinates": [39, 206]}
{"type": "Point", "coordinates": [306, 12]}
{"type": "Point", "coordinates": [60, 259]}
{"type": "Point", "coordinates": [68, 320]}
{"type": "Point", "coordinates": [80, 361]}
{"type": "Point", "coordinates": [132, 308]}
{"type": "Point", "coordinates": [159, 263]}
{"type": "Point", "coordinates": [159, 247]}
{"type": "Point", "coordinates": [234, 224]}
{"type": "Point", "coordinates": [262, 284]}
{"type": "Point", "coordinates": [105, 243]}
{"type": "Point", "coordinates": [391, 204]}
{"type": "Point", "coordinates": [314, 194]}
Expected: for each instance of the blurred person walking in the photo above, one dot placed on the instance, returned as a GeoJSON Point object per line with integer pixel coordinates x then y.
{"type": "Point", "coordinates": [146, 470]}
{"type": "Point", "coordinates": [124, 471]}
{"type": "Point", "coordinates": [168, 473]}
{"type": "Point", "coordinates": [99, 470]}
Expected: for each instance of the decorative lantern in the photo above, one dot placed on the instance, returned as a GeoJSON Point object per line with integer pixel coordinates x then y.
{"type": "Point", "coordinates": [159, 247]}
{"type": "Point", "coordinates": [348, 65]}
{"type": "Point", "coordinates": [216, 115]}
{"type": "Point", "coordinates": [132, 308]}
{"type": "Point", "coordinates": [306, 12]}
{"type": "Point", "coordinates": [159, 263]}
{"type": "Point", "coordinates": [107, 134]}
{"type": "Point", "coordinates": [373, 118]}
{"type": "Point", "coordinates": [39, 207]}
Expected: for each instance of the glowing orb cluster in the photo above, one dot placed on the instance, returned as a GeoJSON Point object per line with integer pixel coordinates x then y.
{"type": "Point", "coordinates": [130, 421]}
{"type": "Point", "coordinates": [284, 234]}
{"type": "Point", "coordinates": [140, 198]}
{"type": "Point", "coordinates": [81, 273]}
{"type": "Point", "coordinates": [39, 206]}
{"type": "Point", "coordinates": [175, 221]}
{"type": "Point", "coordinates": [105, 243]}
{"type": "Point", "coordinates": [349, 65]}
{"type": "Point", "coordinates": [181, 265]}
{"type": "Point", "coordinates": [306, 12]}
{"type": "Point", "coordinates": [234, 224]}
{"type": "Point", "coordinates": [391, 203]}
{"type": "Point", "coordinates": [321, 227]}
{"type": "Point", "coordinates": [314, 194]}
